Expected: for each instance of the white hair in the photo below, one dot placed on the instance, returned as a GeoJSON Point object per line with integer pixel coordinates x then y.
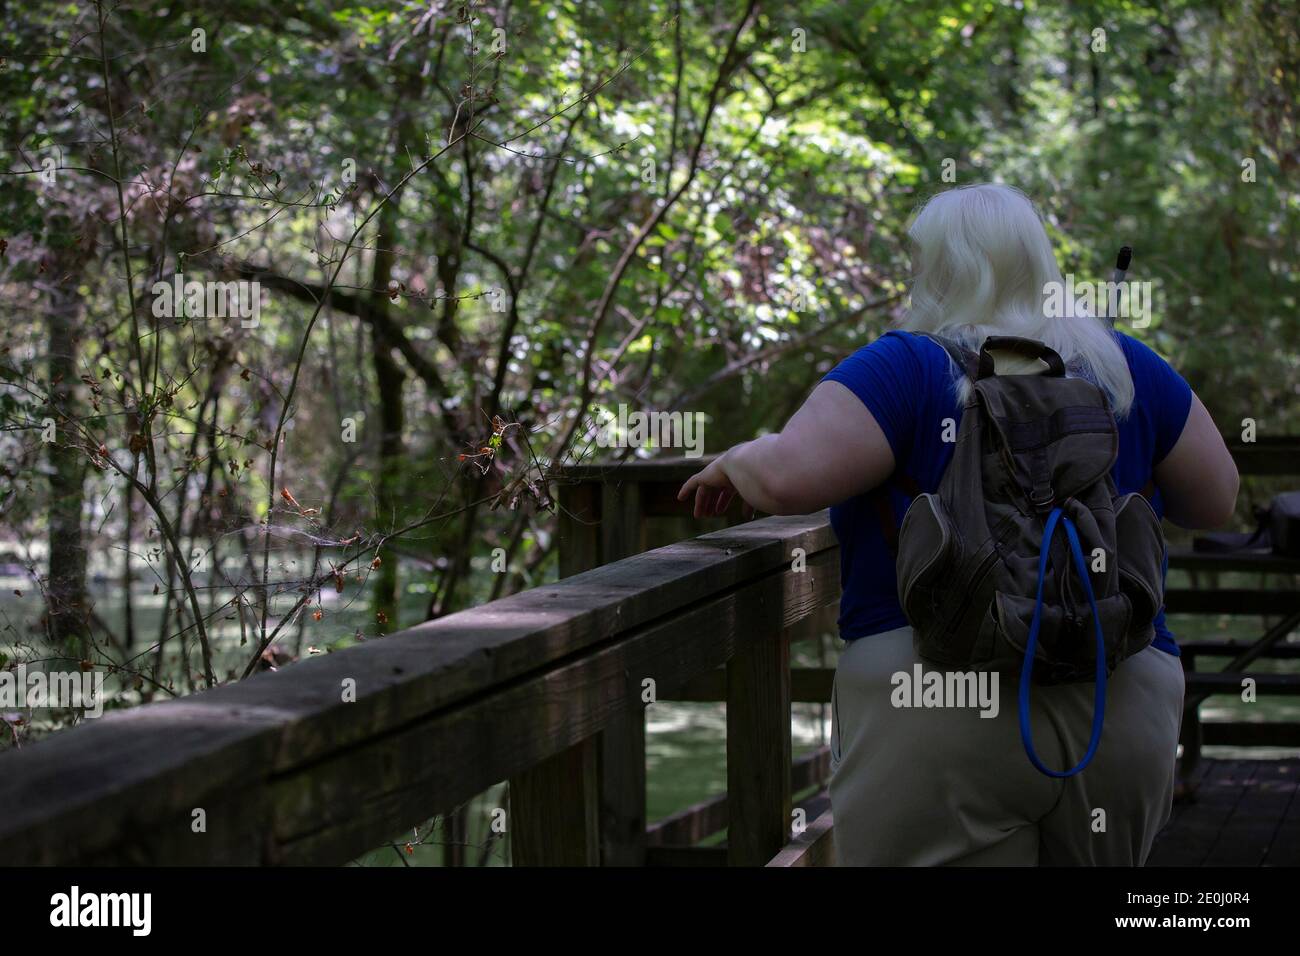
{"type": "Point", "coordinates": [982, 265]}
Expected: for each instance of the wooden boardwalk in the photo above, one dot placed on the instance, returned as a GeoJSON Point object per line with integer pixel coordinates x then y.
{"type": "Point", "coordinates": [547, 689]}
{"type": "Point", "coordinates": [1240, 813]}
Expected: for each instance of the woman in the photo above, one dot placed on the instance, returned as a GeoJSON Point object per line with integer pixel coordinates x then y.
{"type": "Point", "coordinates": [926, 786]}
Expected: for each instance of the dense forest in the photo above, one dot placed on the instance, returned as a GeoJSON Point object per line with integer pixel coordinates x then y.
{"type": "Point", "coordinates": [307, 305]}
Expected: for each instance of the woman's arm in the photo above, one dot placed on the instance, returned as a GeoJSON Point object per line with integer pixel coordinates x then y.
{"type": "Point", "coordinates": [1198, 478]}
{"type": "Point", "coordinates": [831, 449]}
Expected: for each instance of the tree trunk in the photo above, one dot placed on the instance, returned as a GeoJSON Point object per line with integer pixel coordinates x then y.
{"type": "Point", "coordinates": [389, 379]}
{"type": "Point", "coordinates": [65, 586]}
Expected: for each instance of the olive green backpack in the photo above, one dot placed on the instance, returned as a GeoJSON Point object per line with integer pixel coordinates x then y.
{"type": "Point", "coordinates": [984, 577]}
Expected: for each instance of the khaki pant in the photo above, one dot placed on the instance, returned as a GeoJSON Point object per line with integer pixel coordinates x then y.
{"type": "Point", "coordinates": [945, 786]}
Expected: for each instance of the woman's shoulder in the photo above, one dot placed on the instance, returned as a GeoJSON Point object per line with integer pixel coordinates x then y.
{"type": "Point", "coordinates": [1141, 358]}
{"type": "Point", "coordinates": [1154, 379]}
{"type": "Point", "coordinates": [1162, 398]}
{"type": "Point", "coordinates": [898, 350]}
{"type": "Point", "coordinates": [917, 346]}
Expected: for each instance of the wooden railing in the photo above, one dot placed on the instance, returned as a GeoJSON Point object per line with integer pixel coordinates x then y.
{"type": "Point", "coordinates": [324, 760]}
{"type": "Point", "coordinates": [632, 501]}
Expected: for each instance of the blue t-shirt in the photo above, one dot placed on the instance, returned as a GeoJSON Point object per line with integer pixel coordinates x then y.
{"type": "Point", "coordinates": [906, 382]}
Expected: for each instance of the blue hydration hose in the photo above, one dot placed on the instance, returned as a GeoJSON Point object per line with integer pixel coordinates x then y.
{"type": "Point", "coordinates": [1027, 669]}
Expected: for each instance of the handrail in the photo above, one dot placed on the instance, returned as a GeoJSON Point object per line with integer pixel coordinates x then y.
{"type": "Point", "coordinates": [286, 770]}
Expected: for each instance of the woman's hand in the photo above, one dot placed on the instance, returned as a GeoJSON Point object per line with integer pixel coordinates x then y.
{"type": "Point", "coordinates": [713, 489]}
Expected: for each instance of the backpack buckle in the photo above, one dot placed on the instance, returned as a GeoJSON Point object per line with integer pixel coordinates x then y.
{"type": "Point", "coordinates": [1043, 499]}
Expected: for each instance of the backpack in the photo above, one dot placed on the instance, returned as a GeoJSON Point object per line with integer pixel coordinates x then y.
{"type": "Point", "coordinates": [1027, 560]}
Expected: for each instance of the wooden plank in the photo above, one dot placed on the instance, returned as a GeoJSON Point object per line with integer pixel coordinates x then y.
{"type": "Point", "coordinates": [343, 805]}
{"type": "Point", "coordinates": [1220, 683]}
{"type": "Point", "coordinates": [814, 847]}
{"type": "Point", "coordinates": [1245, 836]}
{"type": "Point", "coordinates": [554, 810]}
{"type": "Point", "coordinates": [90, 788]}
{"type": "Point", "coordinates": [811, 769]}
{"type": "Point", "coordinates": [1273, 455]}
{"type": "Point", "coordinates": [815, 626]}
{"type": "Point", "coordinates": [808, 685]}
{"type": "Point", "coordinates": [578, 528]}
{"type": "Point", "coordinates": [1250, 734]}
{"type": "Point", "coordinates": [708, 817]}
{"type": "Point", "coordinates": [336, 808]}
{"type": "Point", "coordinates": [659, 500]}
{"type": "Point", "coordinates": [1285, 848]}
{"type": "Point", "coordinates": [666, 468]}
{"type": "Point", "coordinates": [1184, 559]}
{"type": "Point", "coordinates": [1288, 652]}
{"type": "Point", "coordinates": [623, 788]}
{"type": "Point", "coordinates": [621, 533]}
{"type": "Point", "coordinates": [1230, 601]}
{"type": "Point", "coordinates": [691, 824]}
{"type": "Point", "coordinates": [758, 749]}
{"type": "Point", "coordinates": [622, 742]}
{"type": "Point", "coordinates": [1189, 839]}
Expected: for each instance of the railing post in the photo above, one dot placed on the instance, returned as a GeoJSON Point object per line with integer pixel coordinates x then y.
{"type": "Point", "coordinates": [622, 787]}
{"type": "Point", "coordinates": [622, 743]}
{"type": "Point", "coordinates": [602, 522]}
{"type": "Point", "coordinates": [622, 532]}
{"type": "Point", "coordinates": [553, 810]}
{"type": "Point", "coordinates": [578, 528]}
{"type": "Point", "coordinates": [758, 750]}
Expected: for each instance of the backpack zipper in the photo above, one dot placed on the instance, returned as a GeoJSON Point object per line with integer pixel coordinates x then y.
{"type": "Point", "coordinates": [977, 578]}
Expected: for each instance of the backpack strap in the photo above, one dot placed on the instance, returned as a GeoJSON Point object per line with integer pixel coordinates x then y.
{"type": "Point", "coordinates": [881, 500]}
{"type": "Point", "coordinates": [1031, 644]}
{"type": "Point", "coordinates": [963, 358]}
{"type": "Point", "coordinates": [1027, 348]}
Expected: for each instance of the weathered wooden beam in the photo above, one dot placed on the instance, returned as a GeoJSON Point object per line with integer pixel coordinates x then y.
{"type": "Point", "coordinates": [1185, 559]}
{"type": "Point", "coordinates": [426, 765]}
{"type": "Point", "coordinates": [621, 531]}
{"type": "Point", "coordinates": [808, 685]}
{"type": "Point", "coordinates": [289, 769]}
{"type": "Point", "coordinates": [1273, 455]}
{"type": "Point", "coordinates": [758, 749]}
{"type": "Point", "coordinates": [1288, 652]}
{"type": "Point", "coordinates": [578, 528]}
{"type": "Point", "coordinates": [623, 788]}
{"type": "Point", "coordinates": [690, 825]}
{"type": "Point", "coordinates": [815, 846]}
{"type": "Point", "coordinates": [1240, 733]}
{"type": "Point", "coordinates": [1230, 601]}
{"type": "Point", "coordinates": [669, 468]}
{"type": "Point", "coordinates": [553, 815]}
{"type": "Point", "coordinates": [702, 820]}
{"type": "Point", "coordinates": [622, 742]}
{"type": "Point", "coordinates": [1220, 683]}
